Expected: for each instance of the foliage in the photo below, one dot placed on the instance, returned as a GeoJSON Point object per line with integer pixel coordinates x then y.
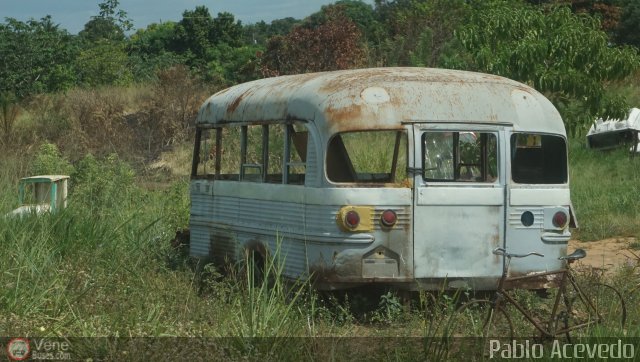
{"type": "Point", "coordinates": [418, 32]}
{"type": "Point", "coordinates": [628, 30]}
{"type": "Point", "coordinates": [50, 116]}
{"type": "Point", "coordinates": [98, 120]}
{"type": "Point", "coordinates": [49, 161]}
{"type": "Point", "coordinates": [334, 44]}
{"type": "Point", "coordinates": [103, 59]}
{"type": "Point", "coordinates": [171, 110]}
{"type": "Point", "coordinates": [213, 46]}
{"type": "Point", "coordinates": [175, 211]}
{"type": "Point", "coordinates": [150, 50]}
{"type": "Point", "coordinates": [104, 62]}
{"type": "Point", "coordinates": [260, 32]}
{"type": "Point", "coordinates": [155, 39]}
{"type": "Point", "coordinates": [103, 187]}
{"type": "Point", "coordinates": [562, 55]}
{"type": "Point", "coordinates": [198, 32]}
{"type": "Point", "coordinates": [389, 309]}
{"type": "Point", "coordinates": [37, 57]}
{"type": "Point", "coordinates": [110, 24]}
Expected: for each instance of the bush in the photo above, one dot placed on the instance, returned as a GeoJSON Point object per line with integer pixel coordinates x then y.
{"type": "Point", "coordinates": [170, 112]}
{"type": "Point", "coordinates": [49, 161]}
{"type": "Point", "coordinates": [103, 186]}
{"type": "Point", "coordinates": [50, 115]}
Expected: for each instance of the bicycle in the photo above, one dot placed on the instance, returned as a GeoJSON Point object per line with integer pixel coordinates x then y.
{"type": "Point", "coordinates": [572, 309]}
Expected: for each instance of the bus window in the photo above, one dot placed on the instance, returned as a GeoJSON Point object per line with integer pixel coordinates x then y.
{"type": "Point", "coordinates": [251, 153]}
{"type": "Point", "coordinates": [538, 159]}
{"type": "Point", "coordinates": [217, 153]}
{"type": "Point", "coordinates": [205, 150]}
{"type": "Point", "coordinates": [369, 157]}
{"type": "Point", "coordinates": [460, 156]}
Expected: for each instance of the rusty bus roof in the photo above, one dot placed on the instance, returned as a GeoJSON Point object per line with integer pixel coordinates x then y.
{"type": "Point", "coordinates": [384, 98]}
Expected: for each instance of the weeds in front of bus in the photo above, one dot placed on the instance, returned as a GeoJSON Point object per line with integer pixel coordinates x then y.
{"type": "Point", "coordinates": [389, 309]}
{"type": "Point", "coordinates": [266, 306]}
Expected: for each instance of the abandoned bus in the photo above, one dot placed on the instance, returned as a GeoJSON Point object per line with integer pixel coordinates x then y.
{"type": "Point", "coordinates": [406, 177]}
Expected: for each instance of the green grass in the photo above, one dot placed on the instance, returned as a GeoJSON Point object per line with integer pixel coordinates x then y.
{"type": "Point", "coordinates": [605, 191]}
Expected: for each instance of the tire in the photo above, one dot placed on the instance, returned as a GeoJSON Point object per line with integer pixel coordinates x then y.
{"type": "Point", "coordinates": [480, 318]}
{"type": "Point", "coordinates": [610, 307]}
{"type": "Point", "coordinates": [609, 313]}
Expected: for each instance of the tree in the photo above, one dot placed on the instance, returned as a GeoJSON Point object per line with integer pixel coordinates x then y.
{"type": "Point", "coordinates": [155, 39]}
{"type": "Point", "coordinates": [260, 32]}
{"type": "Point", "coordinates": [563, 55]}
{"type": "Point", "coordinates": [36, 57]}
{"type": "Point", "coordinates": [628, 30]}
{"type": "Point", "coordinates": [111, 23]}
{"type": "Point", "coordinates": [103, 59]}
{"type": "Point", "coordinates": [334, 44]}
{"type": "Point", "coordinates": [104, 63]}
{"type": "Point", "coordinates": [150, 50]}
{"type": "Point", "coordinates": [207, 43]}
{"type": "Point", "coordinates": [373, 34]}
{"type": "Point", "coordinates": [192, 34]}
{"type": "Point", "coordinates": [607, 11]}
{"type": "Point", "coordinates": [419, 31]}
{"type": "Point", "coordinates": [197, 32]}
{"type": "Point", "coordinates": [226, 30]}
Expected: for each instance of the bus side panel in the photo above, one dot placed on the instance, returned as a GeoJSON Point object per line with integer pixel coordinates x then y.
{"type": "Point", "coordinates": [201, 193]}
{"type": "Point", "coordinates": [270, 227]}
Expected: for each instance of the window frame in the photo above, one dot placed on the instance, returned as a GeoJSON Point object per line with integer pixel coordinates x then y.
{"type": "Point", "coordinates": [512, 155]}
{"type": "Point", "coordinates": [394, 162]}
{"type": "Point", "coordinates": [287, 164]}
{"type": "Point", "coordinates": [484, 156]}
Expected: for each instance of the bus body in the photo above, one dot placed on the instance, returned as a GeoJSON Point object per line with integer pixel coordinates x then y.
{"type": "Point", "coordinates": [407, 177]}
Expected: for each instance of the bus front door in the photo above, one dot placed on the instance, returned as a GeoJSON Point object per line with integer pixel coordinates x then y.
{"type": "Point", "coordinates": [458, 205]}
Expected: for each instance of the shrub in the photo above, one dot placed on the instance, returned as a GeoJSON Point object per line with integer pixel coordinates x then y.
{"type": "Point", "coordinates": [170, 112]}
{"type": "Point", "coordinates": [99, 119]}
{"type": "Point", "coordinates": [48, 160]}
{"type": "Point", "coordinates": [103, 187]}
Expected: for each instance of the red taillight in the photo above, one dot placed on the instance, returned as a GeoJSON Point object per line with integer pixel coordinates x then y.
{"type": "Point", "coordinates": [559, 219]}
{"type": "Point", "coordinates": [388, 218]}
{"type": "Point", "coordinates": [351, 219]}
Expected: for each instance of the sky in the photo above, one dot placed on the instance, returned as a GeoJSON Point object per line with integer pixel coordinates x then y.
{"type": "Point", "coordinates": [73, 14]}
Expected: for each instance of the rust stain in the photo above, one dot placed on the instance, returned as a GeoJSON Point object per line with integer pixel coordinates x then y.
{"type": "Point", "coordinates": [344, 89]}
{"type": "Point", "coordinates": [236, 102]}
{"type": "Point", "coordinates": [234, 105]}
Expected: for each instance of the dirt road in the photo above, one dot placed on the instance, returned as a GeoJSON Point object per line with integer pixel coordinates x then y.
{"type": "Point", "coordinates": [606, 254]}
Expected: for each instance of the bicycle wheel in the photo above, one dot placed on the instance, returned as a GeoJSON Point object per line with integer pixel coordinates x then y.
{"type": "Point", "coordinates": [479, 318]}
{"type": "Point", "coordinates": [604, 309]}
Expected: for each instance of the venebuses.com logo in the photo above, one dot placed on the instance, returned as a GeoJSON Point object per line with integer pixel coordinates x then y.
{"type": "Point", "coordinates": [21, 349]}
{"type": "Point", "coordinates": [18, 349]}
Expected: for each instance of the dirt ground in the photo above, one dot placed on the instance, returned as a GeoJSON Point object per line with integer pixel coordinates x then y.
{"type": "Point", "coordinates": [606, 254]}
